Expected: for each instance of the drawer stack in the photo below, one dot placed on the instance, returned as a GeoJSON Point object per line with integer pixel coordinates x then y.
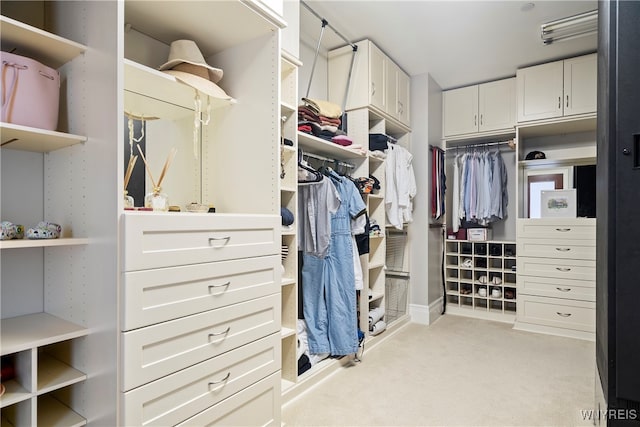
{"type": "Point", "coordinates": [556, 279]}
{"type": "Point", "coordinates": [200, 319]}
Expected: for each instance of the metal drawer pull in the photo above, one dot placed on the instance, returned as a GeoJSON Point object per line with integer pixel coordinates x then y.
{"type": "Point", "coordinates": [217, 334]}
{"type": "Point", "coordinates": [222, 381]}
{"type": "Point", "coordinates": [563, 314]}
{"type": "Point", "coordinates": [223, 285]}
{"type": "Point", "coordinates": [213, 239]}
{"type": "Point", "coordinates": [563, 269]}
{"type": "Point", "coordinates": [564, 289]}
{"type": "Point", "coordinates": [563, 249]}
{"type": "Point", "coordinates": [563, 230]}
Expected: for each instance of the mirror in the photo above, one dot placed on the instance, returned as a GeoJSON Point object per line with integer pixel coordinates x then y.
{"type": "Point", "coordinates": [158, 127]}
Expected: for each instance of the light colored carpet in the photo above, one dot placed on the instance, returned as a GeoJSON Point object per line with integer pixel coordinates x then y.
{"type": "Point", "coordinates": [456, 372]}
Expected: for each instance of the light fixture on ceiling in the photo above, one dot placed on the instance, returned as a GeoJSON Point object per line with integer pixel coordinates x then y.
{"type": "Point", "coordinates": [581, 25]}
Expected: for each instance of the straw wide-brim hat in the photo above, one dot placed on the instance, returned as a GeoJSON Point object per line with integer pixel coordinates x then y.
{"type": "Point", "coordinates": [187, 51]}
{"type": "Point", "coordinates": [188, 66]}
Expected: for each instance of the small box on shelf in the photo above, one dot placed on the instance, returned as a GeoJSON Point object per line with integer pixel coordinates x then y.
{"type": "Point", "coordinates": [479, 234]}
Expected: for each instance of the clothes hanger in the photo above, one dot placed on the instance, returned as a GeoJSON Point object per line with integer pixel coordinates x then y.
{"type": "Point", "coordinates": [316, 176]}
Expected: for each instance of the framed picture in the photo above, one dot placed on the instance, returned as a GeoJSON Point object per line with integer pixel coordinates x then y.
{"type": "Point", "coordinates": [558, 203]}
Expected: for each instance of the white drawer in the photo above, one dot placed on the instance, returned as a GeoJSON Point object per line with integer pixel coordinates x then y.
{"type": "Point", "coordinates": [560, 313]}
{"type": "Point", "coordinates": [157, 240]}
{"type": "Point", "coordinates": [556, 228]}
{"type": "Point", "coordinates": [174, 398]}
{"type": "Point", "coordinates": [584, 290]}
{"type": "Point", "coordinates": [158, 295]}
{"type": "Point", "coordinates": [557, 248]}
{"type": "Point", "coordinates": [257, 405]}
{"type": "Point", "coordinates": [559, 268]}
{"type": "Point", "coordinates": [152, 352]}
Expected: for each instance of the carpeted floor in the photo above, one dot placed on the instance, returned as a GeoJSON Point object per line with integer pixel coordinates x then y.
{"type": "Point", "coordinates": [457, 372]}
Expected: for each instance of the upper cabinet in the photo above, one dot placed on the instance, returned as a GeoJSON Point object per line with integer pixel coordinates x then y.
{"type": "Point", "coordinates": [557, 89]}
{"type": "Point", "coordinates": [486, 107]}
{"type": "Point", "coordinates": [376, 81]}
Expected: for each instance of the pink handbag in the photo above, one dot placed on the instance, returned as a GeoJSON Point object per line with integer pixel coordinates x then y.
{"type": "Point", "coordinates": [30, 92]}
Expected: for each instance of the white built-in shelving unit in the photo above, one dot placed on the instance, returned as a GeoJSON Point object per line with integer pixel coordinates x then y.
{"type": "Point", "coordinates": [472, 266]}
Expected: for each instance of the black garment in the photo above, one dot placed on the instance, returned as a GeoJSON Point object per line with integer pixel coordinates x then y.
{"type": "Point", "coordinates": [362, 240]}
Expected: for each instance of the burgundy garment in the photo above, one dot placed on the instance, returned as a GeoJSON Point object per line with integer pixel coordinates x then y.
{"type": "Point", "coordinates": [342, 140]}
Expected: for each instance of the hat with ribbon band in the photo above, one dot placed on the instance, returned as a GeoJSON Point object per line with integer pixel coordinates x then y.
{"type": "Point", "coordinates": [186, 63]}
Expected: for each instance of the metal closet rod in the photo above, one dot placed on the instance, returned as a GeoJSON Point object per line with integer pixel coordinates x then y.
{"type": "Point", "coordinates": [326, 23]}
{"type": "Point", "coordinates": [326, 159]}
{"type": "Point", "coordinates": [481, 144]}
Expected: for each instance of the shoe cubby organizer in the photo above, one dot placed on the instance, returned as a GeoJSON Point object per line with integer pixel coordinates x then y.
{"type": "Point", "coordinates": [480, 279]}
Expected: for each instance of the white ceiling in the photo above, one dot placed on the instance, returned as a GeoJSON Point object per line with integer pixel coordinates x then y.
{"type": "Point", "coordinates": [457, 42]}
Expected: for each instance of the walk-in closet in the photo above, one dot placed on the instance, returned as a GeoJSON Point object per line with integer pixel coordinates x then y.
{"type": "Point", "coordinates": [310, 212]}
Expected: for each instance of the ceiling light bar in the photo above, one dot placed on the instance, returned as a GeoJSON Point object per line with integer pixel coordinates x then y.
{"type": "Point", "coordinates": [572, 27]}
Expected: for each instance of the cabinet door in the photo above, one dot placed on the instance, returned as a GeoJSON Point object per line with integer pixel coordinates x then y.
{"type": "Point", "coordinates": [539, 91]}
{"type": "Point", "coordinates": [377, 77]}
{"type": "Point", "coordinates": [580, 84]}
{"type": "Point", "coordinates": [391, 88]}
{"type": "Point", "coordinates": [460, 111]}
{"type": "Point", "coordinates": [404, 93]}
{"type": "Point", "coordinates": [496, 104]}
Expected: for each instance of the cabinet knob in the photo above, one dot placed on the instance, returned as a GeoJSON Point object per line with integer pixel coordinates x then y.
{"type": "Point", "coordinates": [563, 289]}
{"type": "Point", "coordinates": [373, 88]}
{"type": "Point", "coordinates": [563, 249]}
{"type": "Point", "coordinates": [481, 119]}
{"type": "Point", "coordinates": [563, 269]}
{"type": "Point", "coordinates": [217, 334]}
{"type": "Point", "coordinates": [475, 120]}
{"type": "Point", "coordinates": [559, 102]}
{"type": "Point", "coordinates": [563, 314]}
{"type": "Point", "coordinates": [563, 230]}
{"type": "Point", "coordinates": [567, 101]}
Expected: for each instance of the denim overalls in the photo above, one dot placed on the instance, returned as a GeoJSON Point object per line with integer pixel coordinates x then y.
{"type": "Point", "coordinates": [329, 283]}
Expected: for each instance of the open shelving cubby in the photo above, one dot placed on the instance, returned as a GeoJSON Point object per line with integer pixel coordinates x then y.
{"type": "Point", "coordinates": [480, 279]}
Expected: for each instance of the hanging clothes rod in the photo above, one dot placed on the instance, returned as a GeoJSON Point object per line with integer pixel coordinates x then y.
{"type": "Point", "coordinates": [326, 23]}
{"type": "Point", "coordinates": [482, 144]}
{"type": "Point", "coordinates": [326, 159]}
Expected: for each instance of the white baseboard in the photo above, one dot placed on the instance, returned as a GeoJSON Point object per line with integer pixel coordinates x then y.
{"type": "Point", "coordinates": [426, 315]}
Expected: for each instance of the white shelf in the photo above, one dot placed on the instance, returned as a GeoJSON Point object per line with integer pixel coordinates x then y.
{"type": "Point", "coordinates": [42, 243]}
{"type": "Point", "coordinates": [153, 84]}
{"type": "Point", "coordinates": [36, 330]}
{"type": "Point", "coordinates": [288, 189]}
{"type": "Point", "coordinates": [53, 374]}
{"type": "Point", "coordinates": [25, 138]}
{"type": "Point", "coordinates": [323, 147]}
{"type": "Point", "coordinates": [287, 282]}
{"type": "Point", "coordinates": [287, 109]}
{"type": "Point", "coordinates": [559, 126]}
{"type": "Point", "coordinates": [53, 413]}
{"type": "Point", "coordinates": [287, 332]}
{"type": "Point", "coordinates": [169, 21]}
{"type": "Point", "coordinates": [374, 265]}
{"type": "Point", "coordinates": [529, 164]}
{"type": "Point", "coordinates": [376, 297]}
{"type": "Point", "coordinates": [45, 47]}
{"type": "Point", "coordinates": [288, 231]}
{"type": "Point", "coordinates": [14, 393]}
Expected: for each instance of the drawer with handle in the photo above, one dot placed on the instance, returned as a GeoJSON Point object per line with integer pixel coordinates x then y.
{"type": "Point", "coordinates": [568, 314]}
{"type": "Point", "coordinates": [257, 405]}
{"type": "Point", "coordinates": [177, 397]}
{"type": "Point", "coordinates": [584, 290]}
{"type": "Point", "coordinates": [558, 268]}
{"type": "Point", "coordinates": [556, 228]}
{"type": "Point", "coordinates": [557, 248]}
{"type": "Point", "coordinates": [155, 351]}
{"type": "Point", "coordinates": [158, 295]}
{"type": "Point", "coordinates": [156, 240]}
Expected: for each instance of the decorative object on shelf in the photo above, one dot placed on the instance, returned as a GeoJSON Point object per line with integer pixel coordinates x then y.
{"type": "Point", "coordinates": [31, 92]}
{"type": "Point", "coordinates": [197, 207]}
{"type": "Point", "coordinates": [482, 291]}
{"type": "Point", "coordinates": [156, 199]}
{"type": "Point", "coordinates": [11, 231]}
{"type": "Point", "coordinates": [128, 200]}
{"type": "Point", "coordinates": [44, 230]}
{"type": "Point", "coordinates": [132, 138]}
{"type": "Point", "coordinates": [174, 208]}
{"type": "Point", "coordinates": [558, 203]}
{"type": "Point", "coordinates": [496, 293]}
{"type": "Point", "coordinates": [535, 155]}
